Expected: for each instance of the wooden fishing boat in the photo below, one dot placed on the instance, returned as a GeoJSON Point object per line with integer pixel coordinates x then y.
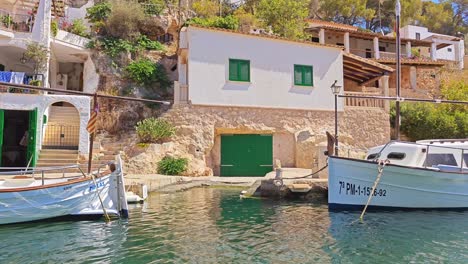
{"type": "Point", "coordinates": [31, 195]}
{"type": "Point", "coordinates": [430, 174]}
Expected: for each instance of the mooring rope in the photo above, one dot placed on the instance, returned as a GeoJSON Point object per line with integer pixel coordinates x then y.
{"type": "Point", "coordinates": [380, 169]}
{"type": "Point", "coordinates": [106, 216]}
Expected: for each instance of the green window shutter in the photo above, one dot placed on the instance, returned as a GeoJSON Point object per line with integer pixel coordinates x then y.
{"type": "Point", "coordinates": [297, 75]}
{"type": "Point", "coordinates": [308, 78]}
{"type": "Point", "coordinates": [233, 71]}
{"type": "Point", "coordinates": [239, 70]}
{"type": "Point", "coordinates": [244, 71]}
{"type": "Point", "coordinates": [303, 75]}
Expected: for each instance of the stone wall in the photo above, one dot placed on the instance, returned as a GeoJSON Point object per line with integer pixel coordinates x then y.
{"type": "Point", "coordinates": [298, 135]}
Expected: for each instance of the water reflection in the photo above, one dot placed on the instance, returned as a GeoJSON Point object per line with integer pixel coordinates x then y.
{"type": "Point", "coordinates": [208, 225]}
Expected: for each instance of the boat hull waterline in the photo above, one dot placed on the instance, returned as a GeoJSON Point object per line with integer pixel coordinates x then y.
{"type": "Point", "coordinates": [78, 198]}
{"type": "Point", "coordinates": [350, 184]}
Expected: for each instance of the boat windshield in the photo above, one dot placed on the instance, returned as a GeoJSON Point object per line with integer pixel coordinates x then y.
{"type": "Point", "coordinates": [434, 159]}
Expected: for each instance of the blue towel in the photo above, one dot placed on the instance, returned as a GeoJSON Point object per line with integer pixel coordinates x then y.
{"type": "Point", "coordinates": [5, 76]}
{"type": "Point", "coordinates": [17, 77]}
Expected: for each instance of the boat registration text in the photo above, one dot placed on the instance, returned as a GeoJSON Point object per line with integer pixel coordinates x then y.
{"type": "Point", "coordinates": [347, 188]}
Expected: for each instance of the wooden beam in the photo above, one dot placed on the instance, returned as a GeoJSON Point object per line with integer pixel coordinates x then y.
{"type": "Point", "coordinates": [358, 74]}
{"type": "Point", "coordinates": [349, 67]}
{"type": "Point", "coordinates": [352, 77]}
{"type": "Point", "coordinates": [371, 80]}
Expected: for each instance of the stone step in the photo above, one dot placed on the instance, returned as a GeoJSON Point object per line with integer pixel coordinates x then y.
{"type": "Point", "coordinates": [52, 155]}
{"type": "Point", "coordinates": [57, 161]}
{"type": "Point", "coordinates": [59, 151]}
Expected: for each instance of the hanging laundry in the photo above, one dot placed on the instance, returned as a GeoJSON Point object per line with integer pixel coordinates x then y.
{"type": "Point", "coordinates": [17, 77]}
{"type": "Point", "coordinates": [5, 76]}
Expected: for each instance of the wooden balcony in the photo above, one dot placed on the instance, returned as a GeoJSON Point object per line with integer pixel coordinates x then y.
{"type": "Point", "coordinates": [364, 102]}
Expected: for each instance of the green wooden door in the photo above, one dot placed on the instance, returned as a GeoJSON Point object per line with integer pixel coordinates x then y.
{"type": "Point", "coordinates": [31, 151]}
{"type": "Point", "coordinates": [2, 126]}
{"type": "Point", "coordinates": [246, 155]}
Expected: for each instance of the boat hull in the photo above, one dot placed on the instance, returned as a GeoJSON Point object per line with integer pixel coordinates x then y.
{"type": "Point", "coordinates": [77, 198]}
{"type": "Point", "coordinates": [350, 185]}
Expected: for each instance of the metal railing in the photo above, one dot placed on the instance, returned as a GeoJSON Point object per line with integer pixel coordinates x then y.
{"type": "Point", "coordinates": [32, 172]}
{"type": "Point", "coordinates": [363, 102]}
{"type": "Point", "coordinates": [61, 137]}
{"type": "Point", "coordinates": [15, 22]}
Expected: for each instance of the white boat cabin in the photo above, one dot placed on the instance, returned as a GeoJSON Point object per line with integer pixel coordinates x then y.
{"type": "Point", "coordinates": [447, 155]}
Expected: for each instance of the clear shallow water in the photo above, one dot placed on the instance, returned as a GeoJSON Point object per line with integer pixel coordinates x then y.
{"type": "Point", "coordinates": [208, 225]}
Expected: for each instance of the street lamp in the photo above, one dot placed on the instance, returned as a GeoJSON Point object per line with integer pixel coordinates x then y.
{"type": "Point", "coordinates": [336, 91]}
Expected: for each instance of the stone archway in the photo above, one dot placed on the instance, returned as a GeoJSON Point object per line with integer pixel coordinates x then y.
{"type": "Point", "coordinates": [61, 126]}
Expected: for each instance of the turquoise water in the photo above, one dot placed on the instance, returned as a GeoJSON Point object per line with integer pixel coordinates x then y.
{"type": "Point", "coordinates": [208, 225]}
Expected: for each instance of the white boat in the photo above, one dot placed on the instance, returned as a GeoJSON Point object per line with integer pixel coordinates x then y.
{"type": "Point", "coordinates": [33, 196]}
{"type": "Point", "coordinates": [429, 174]}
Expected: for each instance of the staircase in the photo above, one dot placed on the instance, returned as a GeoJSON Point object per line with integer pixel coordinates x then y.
{"type": "Point", "coordinates": [63, 128]}
{"type": "Point", "coordinates": [57, 157]}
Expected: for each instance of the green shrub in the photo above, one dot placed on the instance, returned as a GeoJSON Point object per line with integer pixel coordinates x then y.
{"type": "Point", "coordinates": [98, 12]}
{"type": "Point", "coordinates": [154, 130]}
{"type": "Point", "coordinates": [79, 28]}
{"type": "Point", "coordinates": [54, 28]}
{"type": "Point", "coordinates": [143, 42]}
{"type": "Point", "coordinates": [37, 53]}
{"type": "Point", "coordinates": [153, 7]}
{"type": "Point", "coordinates": [7, 20]}
{"type": "Point", "coordinates": [428, 120]}
{"type": "Point", "coordinates": [172, 166]}
{"type": "Point", "coordinates": [141, 71]}
{"type": "Point", "coordinates": [114, 46]}
{"type": "Point", "coordinates": [146, 72]}
{"type": "Point", "coordinates": [124, 20]}
{"type": "Point", "coordinates": [228, 22]}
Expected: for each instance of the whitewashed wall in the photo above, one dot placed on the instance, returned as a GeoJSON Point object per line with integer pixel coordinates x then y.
{"type": "Point", "coordinates": [72, 13]}
{"type": "Point", "coordinates": [42, 102]}
{"type": "Point", "coordinates": [410, 32]}
{"type": "Point", "coordinates": [271, 70]}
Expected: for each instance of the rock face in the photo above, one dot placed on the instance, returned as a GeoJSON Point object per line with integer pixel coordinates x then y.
{"type": "Point", "coordinates": [301, 134]}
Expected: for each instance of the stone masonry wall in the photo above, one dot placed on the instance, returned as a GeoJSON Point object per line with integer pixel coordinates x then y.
{"type": "Point", "coordinates": [298, 135]}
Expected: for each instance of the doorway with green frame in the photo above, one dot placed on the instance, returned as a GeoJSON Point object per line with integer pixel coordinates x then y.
{"type": "Point", "coordinates": [18, 129]}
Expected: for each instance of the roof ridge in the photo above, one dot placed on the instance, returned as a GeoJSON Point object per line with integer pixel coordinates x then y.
{"type": "Point", "coordinates": [307, 42]}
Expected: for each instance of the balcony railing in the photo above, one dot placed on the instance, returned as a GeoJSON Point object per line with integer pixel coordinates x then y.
{"type": "Point", "coordinates": [364, 102]}
{"type": "Point", "coordinates": [15, 22]}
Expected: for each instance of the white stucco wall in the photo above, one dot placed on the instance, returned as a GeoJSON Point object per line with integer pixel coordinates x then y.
{"type": "Point", "coordinates": [90, 76]}
{"type": "Point", "coordinates": [42, 102]}
{"type": "Point", "coordinates": [271, 70]}
{"type": "Point", "coordinates": [444, 53]}
{"type": "Point", "coordinates": [72, 13]}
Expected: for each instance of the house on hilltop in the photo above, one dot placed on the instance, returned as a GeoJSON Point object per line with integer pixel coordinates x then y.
{"type": "Point", "coordinates": [422, 54]}
{"type": "Point", "coordinates": [244, 100]}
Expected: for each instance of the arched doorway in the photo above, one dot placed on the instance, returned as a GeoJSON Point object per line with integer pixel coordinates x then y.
{"type": "Point", "coordinates": [61, 127]}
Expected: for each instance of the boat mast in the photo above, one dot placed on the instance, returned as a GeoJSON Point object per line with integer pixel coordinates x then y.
{"type": "Point", "coordinates": [398, 68]}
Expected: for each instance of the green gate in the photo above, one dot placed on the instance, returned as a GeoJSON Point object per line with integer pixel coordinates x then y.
{"type": "Point", "coordinates": [32, 132]}
{"type": "Point", "coordinates": [246, 155]}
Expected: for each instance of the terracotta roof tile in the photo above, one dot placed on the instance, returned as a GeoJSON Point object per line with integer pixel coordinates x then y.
{"type": "Point", "coordinates": [330, 24]}
{"type": "Point", "coordinates": [415, 61]}
{"type": "Point", "coordinates": [368, 61]}
{"type": "Point", "coordinates": [267, 36]}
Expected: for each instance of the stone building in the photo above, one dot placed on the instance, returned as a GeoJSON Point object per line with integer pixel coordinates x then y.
{"type": "Point", "coordinates": [50, 121]}
{"type": "Point", "coordinates": [245, 100]}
